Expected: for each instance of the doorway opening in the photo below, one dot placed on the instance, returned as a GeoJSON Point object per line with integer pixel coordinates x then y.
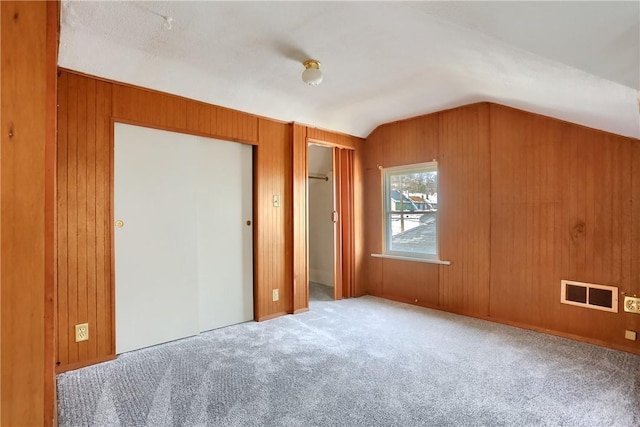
{"type": "Point", "coordinates": [330, 218]}
{"type": "Point", "coordinates": [321, 223]}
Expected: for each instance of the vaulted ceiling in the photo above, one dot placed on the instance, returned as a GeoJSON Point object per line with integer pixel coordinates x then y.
{"type": "Point", "coordinates": [382, 61]}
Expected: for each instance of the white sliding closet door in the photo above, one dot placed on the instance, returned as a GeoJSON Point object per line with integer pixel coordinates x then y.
{"type": "Point", "coordinates": [225, 241]}
{"type": "Point", "coordinates": [183, 257]}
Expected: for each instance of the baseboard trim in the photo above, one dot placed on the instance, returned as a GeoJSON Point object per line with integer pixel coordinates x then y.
{"type": "Point", "coordinates": [301, 310]}
{"type": "Point", "coordinates": [84, 363]}
{"type": "Point", "coordinates": [542, 330]}
{"type": "Point", "coordinates": [271, 316]}
{"type": "Point", "coordinates": [574, 337]}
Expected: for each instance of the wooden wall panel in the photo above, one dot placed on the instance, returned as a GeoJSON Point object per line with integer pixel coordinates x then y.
{"type": "Point", "coordinates": [561, 209]}
{"type": "Point", "coordinates": [525, 201]}
{"type": "Point", "coordinates": [595, 225]}
{"type": "Point", "coordinates": [334, 138]}
{"type": "Point", "coordinates": [300, 169]}
{"type": "Point", "coordinates": [148, 107]}
{"type": "Point", "coordinates": [84, 263]}
{"type": "Point", "coordinates": [359, 230]}
{"type": "Point", "coordinates": [274, 226]}
{"type": "Point", "coordinates": [84, 219]}
{"type": "Point", "coordinates": [631, 321]}
{"type": "Point", "coordinates": [464, 209]}
{"type": "Point", "coordinates": [164, 111]}
{"type": "Point", "coordinates": [410, 282]}
{"type": "Point", "coordinates": [105, 339]}
{"type": "Point", "coordinates": [395, 144]}
{"type": "Point", "coordinates": [27, 182]}
{"type": "Point", "coordinates": [634, 283]}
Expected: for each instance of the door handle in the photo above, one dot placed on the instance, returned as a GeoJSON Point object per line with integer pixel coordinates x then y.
{"type": "Point", "coordinates": [334, 217]}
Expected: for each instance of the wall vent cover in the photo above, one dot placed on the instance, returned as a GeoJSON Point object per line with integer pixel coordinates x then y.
{"type": "Point", "coordinates": [589, 295]}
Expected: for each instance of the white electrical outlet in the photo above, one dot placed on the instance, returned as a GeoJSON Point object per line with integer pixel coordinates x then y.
{"type": "Point", "coordinates": [276, 295]}
{"type": "Point", "coordinates": [276, 200]}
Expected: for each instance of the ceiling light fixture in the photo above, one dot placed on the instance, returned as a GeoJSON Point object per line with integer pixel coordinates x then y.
{"type": "Point", "coordinates": [312, 74]}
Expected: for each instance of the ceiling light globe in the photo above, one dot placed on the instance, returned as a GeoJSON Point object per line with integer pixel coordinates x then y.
{"type": "Point", "coordinates": [312, 76]}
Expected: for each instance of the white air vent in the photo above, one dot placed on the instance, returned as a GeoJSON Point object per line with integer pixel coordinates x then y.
{"type": "Point", "coordinates": [589, 295]}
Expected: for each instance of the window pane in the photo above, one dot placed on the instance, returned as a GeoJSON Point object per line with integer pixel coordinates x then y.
{"type": "Point", "coordinates": [412, 205]}
{"type": "Point", "coordinates": [414, 233]}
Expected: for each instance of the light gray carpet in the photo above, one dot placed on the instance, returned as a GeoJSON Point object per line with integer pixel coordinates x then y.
{"type": "Point", "coordinates": [359, 362]}
{"type": "Point", "coordinates": [320, 292]}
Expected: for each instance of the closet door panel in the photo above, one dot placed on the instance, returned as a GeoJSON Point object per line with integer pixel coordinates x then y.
{"type": "Point", "coordinates": [156, 280]}
{"type": "Point", "coordinates": [225, 239]}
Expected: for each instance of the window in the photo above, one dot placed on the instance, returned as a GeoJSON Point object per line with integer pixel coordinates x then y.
{"type": "Point", "coordinates": [411, 211]}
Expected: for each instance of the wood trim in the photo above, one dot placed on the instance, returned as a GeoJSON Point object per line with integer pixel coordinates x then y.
{"type": "Point", "coordinates": [158, 92]}
{"type": "Point", "coordinates": [112, 236]}
{"type": "Point", "coordinates": [50, 248]}
{"type": "Point", "coordinates": [519, 325]}
{"type": "Point", "coordinates": [300, 171]}
{"type": "Point", "coordinates": [574, 337]}
{"type": "Point", "coordinates": [348, 250]}
{"type": "Point", "coordinates": [271, 316]}
{"type": "Point", "coordinates": [182, 130]}
{"type": "Point", "coordinates": [301, 310]}
{"type": "Point", "coordinates": [27, 123]}
{"type": "Point", "coordinates": [84, 363]}
{"type": "Point", "coordinates": [329, 144]}
{"type": "Point", "coordinates": [257, 215]}
{"type": "Point", "coordinates": [338, 277]}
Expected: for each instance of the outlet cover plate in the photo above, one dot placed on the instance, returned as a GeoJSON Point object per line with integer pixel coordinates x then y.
{"type": "Point", "coordinates": [82, 332]}
{"type": "Point", "coordinates": [632, 305]}
{"type": "Point", "coordinates": [630, 335]}
{"type": "Point", "coordinates": [276, 294]}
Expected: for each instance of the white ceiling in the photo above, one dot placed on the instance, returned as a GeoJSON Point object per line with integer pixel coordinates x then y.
{"type": "Point", "coordinates": [383, 61]}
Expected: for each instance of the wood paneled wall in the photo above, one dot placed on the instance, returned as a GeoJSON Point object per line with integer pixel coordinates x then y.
{"type": "Point", "coordinates": [84, 218]}
{"type": "Point", "coordinates": [396, 144]}
{"type": "Point", "coordinates": [464, 204]}
{"type": "Point", "coordinates": [525, 201]}
{"type": "Point", "coordinates": [561, 203]}
{"type": "Point", "coordinates": [87, 108]}
{"type": "Point", "coordinates": [27, 164]}
{"type": "Point", "coordinates": [273, 255]}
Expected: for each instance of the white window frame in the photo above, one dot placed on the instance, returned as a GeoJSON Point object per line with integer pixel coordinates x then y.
{"type": "Point", "coordinates": [387, 173]}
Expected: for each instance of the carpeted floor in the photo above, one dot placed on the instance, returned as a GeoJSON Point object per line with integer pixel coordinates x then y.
{"type": "Point", "coordinates": [359, 362]}
{"type": "Point", "coordinates": [320, 292]}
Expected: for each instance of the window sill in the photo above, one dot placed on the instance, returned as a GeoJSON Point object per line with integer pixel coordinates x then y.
{"type": "Point", "coordinates": [406, 258]}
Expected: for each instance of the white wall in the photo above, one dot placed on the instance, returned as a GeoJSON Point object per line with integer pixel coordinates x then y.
{"type": "Point", "coordinates": [321, 226]}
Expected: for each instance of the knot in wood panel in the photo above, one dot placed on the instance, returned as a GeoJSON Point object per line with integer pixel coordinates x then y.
{"type": "Point", "coordinates": [577, 231]}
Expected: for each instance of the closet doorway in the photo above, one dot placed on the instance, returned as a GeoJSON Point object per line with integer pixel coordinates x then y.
{"type": "Point", "coordinates": [330, 216]}
{"type": "Point", "coordinates": [322, 222]}
{"type": "Point", "coordinates": [183, 236]}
